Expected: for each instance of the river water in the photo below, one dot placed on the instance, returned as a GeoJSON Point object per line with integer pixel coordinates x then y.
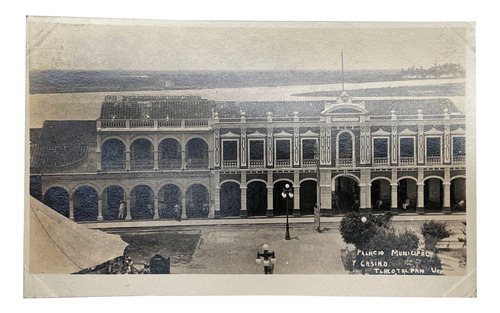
{"type": "Point", "coordinates": [87, 106]}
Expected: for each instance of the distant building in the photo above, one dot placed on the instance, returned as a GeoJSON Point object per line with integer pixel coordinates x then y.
{"type": "Point", "coordinates": [222, 159]}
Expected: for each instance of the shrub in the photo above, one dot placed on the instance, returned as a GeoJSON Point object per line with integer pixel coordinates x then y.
{"type": "Point", "coordinates": [433, 232]}
{"type": "Point", "coordinates": [354, 231]}
{"type": "Point", "coordinates": [387, 240]}
{"type": "Point", "coordinates": [435, 229]}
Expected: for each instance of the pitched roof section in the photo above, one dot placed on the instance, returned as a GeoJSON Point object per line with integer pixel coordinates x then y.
{"type": "Point", "coordinates": [277, 108]}
{"type": "Point", "coordinates": [35, 135]}
{"type": "Point", "coordinates": [185, 107]}
{"type": "Point", "coordinates": [62, 143]}
{"type": "Point", "coordinates": [410, 106]}
{"type": "Point", "coordinates": [155, 107]}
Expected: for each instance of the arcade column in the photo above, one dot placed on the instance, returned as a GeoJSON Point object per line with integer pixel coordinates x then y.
{"type": "Point", "coordinates": [243, 210]}
{"type": "Point", "coordinates": [71, 209]}
{"type": "Point", "coordinates": [269, 211]}
{"type": "Point", "coordinates": [420, 191]}
{"type": "Point", "coordinates": [99, 210]}
{"type": "Point", "coordinates": [129, 214]}
{"type": "Point", "coordinates": [155, 160]}
{"type": "Point", "coordinates": [296, 201]}
{"type": "Point", "coordinates": [394, 198]}
{"type": "Point", "coordinates": [446, 192]}
{"type": "Point", "coordinates": [156, 209]}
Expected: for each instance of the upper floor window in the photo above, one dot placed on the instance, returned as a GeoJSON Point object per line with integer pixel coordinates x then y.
{"type": "Point", "coordinates": [256, 148]}
{"type": "Point", "coordinates": [345, 146]}
{"type": "Point", "coordinates": [345, 153]}
{"type": "Point", "coordinates": [230, 153]}
{"type": "Point", "coordinates": [407, 151]}
{"type": "Point", "coordinates": [283, 148]}
{"type": "Point", "coordinates": [309, 152]}
{"type": "Point", "coordinates": [433, 150]}
{"type": "Point", "coordinates": [459, 149]}
{"type": "Point", "coordinates": [380, 151]}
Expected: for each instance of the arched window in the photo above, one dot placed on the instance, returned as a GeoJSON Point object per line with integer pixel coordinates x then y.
{"type": "Point", "coordinates": [345, 150]}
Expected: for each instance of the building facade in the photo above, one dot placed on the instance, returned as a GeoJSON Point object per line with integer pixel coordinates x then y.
{"type": "Point", "coordinates": [232, 159]}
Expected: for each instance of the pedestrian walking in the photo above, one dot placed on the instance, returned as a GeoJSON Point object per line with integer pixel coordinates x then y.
{"type": "Point", "coordinates": [121, 210]}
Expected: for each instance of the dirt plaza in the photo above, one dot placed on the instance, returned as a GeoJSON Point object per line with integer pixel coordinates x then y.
{"type": "Point", "coordinates": [204, 247]}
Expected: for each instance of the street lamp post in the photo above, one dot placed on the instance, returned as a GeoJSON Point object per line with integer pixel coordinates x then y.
{"type": "Point", "coordinates": [287, 193]}
{"type": "Point", "coordinates": [317, 209]}
{"type": "Point", "coordinates": [364, 220]}
{"type": "Point", "coordinates": [267, 258]}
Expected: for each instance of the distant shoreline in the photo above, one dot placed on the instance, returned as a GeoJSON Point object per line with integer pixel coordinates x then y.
{"type": "Point", "coordinates": [80, 81]}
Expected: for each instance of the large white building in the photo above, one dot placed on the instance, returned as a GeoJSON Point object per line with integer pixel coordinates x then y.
{"type": "Point", "coordinates": [221, 159]}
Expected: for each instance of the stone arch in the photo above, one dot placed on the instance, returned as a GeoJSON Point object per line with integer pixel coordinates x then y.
{"type": "Point", "coordinates": [407, 194]}
{"type": "Point", "coordinates": [279, 203]}
{"type": "Point", "coordinates": [89, 184]}
{"type": "Point", "coordinates": [381, 194]}
{"type": "Point", "coordinates": [197, 201]}
{"type": "Point", "coordinates": [195, 136]}
{"type": "Point", "coordinates": [169, 153]}
{"type": "Point", "coordinates": [230, 181]}
{"type": "Point", "coordinates": [85, 202]}
{"type": "Point", "coordinates": [257, 180]}
{"type": "Point", "coordinates": [57, 198]}
{"type": "Point", "coordinates": [143, 136]}
{"type": "Point", "coordinates": [346, 193]}
{"type": "Point", "coordinates": [256, 197]}
{"type": "Point", "coordinates": [46, 188]}
{"type": "Point", "coordinates": [113, 154]}
{"type": "Point", "coordinates": [458, 176]}
{"type": "Point", "coordinates": [118, 137]}
{"type": "Point", "coordinates": [349, 175]}
{"type": "Point", "coordinates": [117, 184]}
{"type": "Point", "coordinates": [141, 154]}
{"type": "Point", "coordinates": [433, 194]}
{"type": "Point", "coordinates": [169, 195]}
{"type": "Point", "coordinates": [112, 195]}
{"type": "Point", "coordinates": [308, 196]}
{"type": "Point", "coordinates": [434, 176]}
{"type": "Point", "coordinates": [230, 198]}
{"type": "Point", "coordinates": [196, 153]}
{"type": "Point", "coordinates": [381, 178]}
{"type": "Point", "coordinates": [407, 177]}
{"type": "Point", "coordinates": [141, 202]}
{"type": "Point", "coordinates": [458, 193]}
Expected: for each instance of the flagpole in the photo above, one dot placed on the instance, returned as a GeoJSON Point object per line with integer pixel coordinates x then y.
{"type": "Point", "coordinates": [342, 61]}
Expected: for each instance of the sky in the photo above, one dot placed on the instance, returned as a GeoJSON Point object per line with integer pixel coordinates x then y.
{"type": "Point", "coordinates": [119, 44]}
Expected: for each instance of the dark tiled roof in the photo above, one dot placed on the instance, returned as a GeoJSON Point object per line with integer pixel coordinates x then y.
{"type": "Point", "coordinates": [155, 107]}
{"type": "Point", "coordinates": [176, 107]}
{"type": "Point", "coordinates": [278, 108]}
{"type": "Point", "coordinates": [35, 135]}
{"type": "Point", "coordinates": [314, 108]}
{"type": "Point", "coordinates": [410, 106]}
{"type": "Point", "coordinates": [62, 143]}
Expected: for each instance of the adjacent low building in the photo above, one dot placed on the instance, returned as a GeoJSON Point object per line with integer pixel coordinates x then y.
{"type": "Point", "coordinates": [224, 159]}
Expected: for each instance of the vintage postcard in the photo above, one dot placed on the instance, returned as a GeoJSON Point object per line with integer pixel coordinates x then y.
{"type": "Point", "coordinates": [207, 158]}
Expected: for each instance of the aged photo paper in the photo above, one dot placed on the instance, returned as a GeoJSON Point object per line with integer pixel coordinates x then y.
{"type": "Point", "coordinates": [210, 158]}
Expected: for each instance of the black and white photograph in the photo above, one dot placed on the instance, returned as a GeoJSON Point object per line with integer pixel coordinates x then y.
{"type": "Point", "coordinates": [211, 157]}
